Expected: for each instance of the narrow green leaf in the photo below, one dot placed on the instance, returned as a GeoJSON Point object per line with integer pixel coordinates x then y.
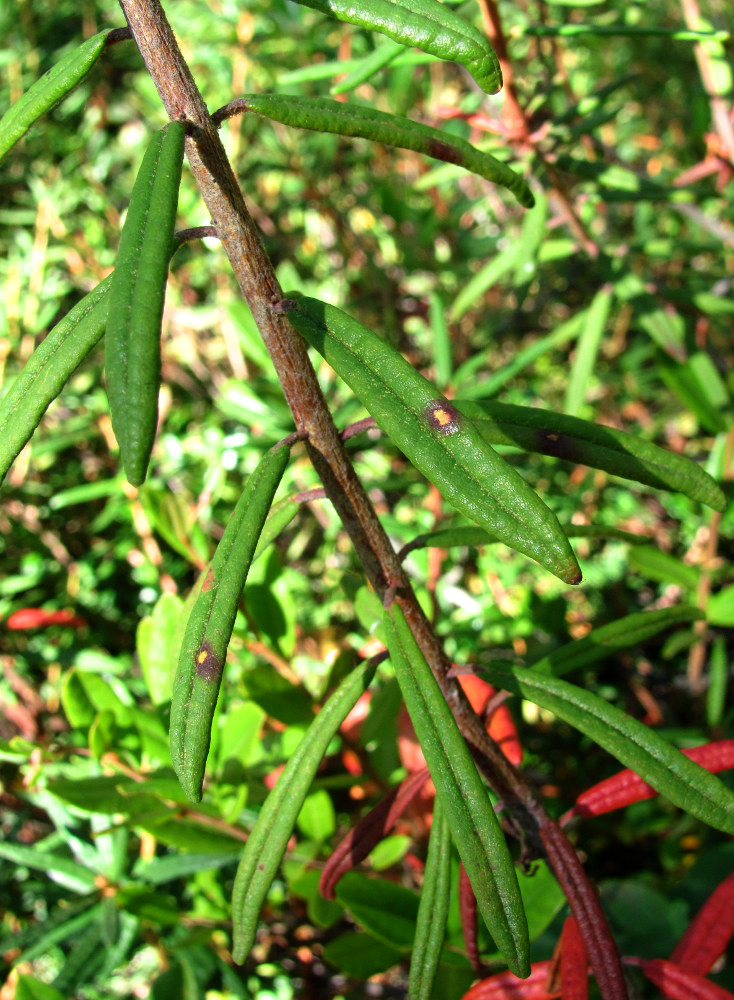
{"type": "Point", "coordinates": [46, 93]}
{"type": "Point", "coordinates": [269, 837]}
{"type": "Point", "coordinates": [581, 441]}
{"type": "Point", "coordinates": [471, 818]}
{"type": "Point", "coordinates": [531, 238]}
{"type": "Point", "coordinates": [718, 677]}
{"type": "Point", "coordinates": [446, 538]}
{"type": "Point", "coordinates": [427, 25]}
{"type": "Point", "coordinates": [70, 874]}
{"type": "Point", "coordinates": [671, 773]}
{"type": "Point", "coordinates": [449, 450]}
{"type": "Point", "coordinates": [47, 371]}
{"type": "Point", "coordinates": [137, 294]}
{"type": "Point", "coordinates": [587, 348]}
{"type": "Point", "coordinates": [664, 567]}
{"type": "Point", "coordinates": [698, 385]}
{"type": "Point", "coordinates": [665, 329]}
{"type": "Point", "coordinates": [323, 115]}
{"type": "Point", "coordinates": [176, 866]}
{"type": "Point", "coordinates": [158, 639]}
{"type": "Point", "coordinates": [211, 621]}
{"type": "Point", "coordinates": [609, 639]}
{"type": "Point", "coordinates": [433, 910]}
{"type": "Point", "coordinates": [368, 66]}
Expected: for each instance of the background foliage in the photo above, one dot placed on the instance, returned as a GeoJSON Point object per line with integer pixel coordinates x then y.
{"type": "Point", "coordinates": [126, 888]}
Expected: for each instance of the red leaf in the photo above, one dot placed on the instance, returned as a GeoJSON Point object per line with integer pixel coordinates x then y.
{"type": "Point", "coordinates": [574, 964]}
{"type": "Point", "coordinates": [506, 986]}
{"type": "Point", "coordinates": [468, 915]}
{"type": "Point", "coordinates": [626, 787]}
{"type": "Point", "coordinates": [710, 931]}
{"type": "Point", "coordinates": [677, 983]}
{"type": "Point", "coordinates": [501, 727]}
{"type": "Point", "coordinates": [40, 618]}
{"type": "Point", "coordinates": [369, 831]}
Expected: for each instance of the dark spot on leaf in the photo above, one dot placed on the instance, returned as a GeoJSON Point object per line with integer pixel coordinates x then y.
{"type": "Point", "coordinates": [444, 151]}
{"type": "Point", "coordinates": [208, 581]}
{"type": "Point", "coordinates": [555, 444]}
{"type": "Point", "coordinates": [443, 417]}
{"type": "Point", "coordinates": [208, 664]}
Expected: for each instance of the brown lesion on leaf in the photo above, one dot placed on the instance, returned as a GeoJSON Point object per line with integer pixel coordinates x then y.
{"type": "Point", "coordinates": [443, 417]}
{"type": "Point", "coordinates": [444, 151]}
{"type": "Point", "coordinates": [208, 664]}
{"type": "Point", "coordinates": [208, 581]}
{"type": "Point", "coordinates": [556, 444]}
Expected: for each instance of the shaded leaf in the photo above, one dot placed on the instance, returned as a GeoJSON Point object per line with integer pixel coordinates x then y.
{"type": "Point", "coordinates": [474, 826]}
{"type": "Point", "coordinates": [433, 909]}
{"type": "Point", "coordinates": [670, 772]}
{"type": "Point", "coordinates": [586, 443]}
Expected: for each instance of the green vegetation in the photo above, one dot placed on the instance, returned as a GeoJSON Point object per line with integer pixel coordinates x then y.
{"type": "Point", "coordinates": [521, 308]}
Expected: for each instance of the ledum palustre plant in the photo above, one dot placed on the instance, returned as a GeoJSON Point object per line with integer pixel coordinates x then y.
{"type": "Point", "coordinates": [449, 441]}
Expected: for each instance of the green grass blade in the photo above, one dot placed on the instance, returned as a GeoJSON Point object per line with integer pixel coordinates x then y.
{"type": "Point", "coordinates": [671, 773]}
{"type": "Point", "coordinates": [450, 451]}
{"type": "Point", "coordinates": [474, 827]}
{"type": "Point", "coordinates": [427, 25]}
{"type": "Point", "coordinates": [433, 910]}
{"type": "Point", "coordinates": [210, 625]}
{"type": "Point", "coordinates": [587, 348]}
{"type": "Point", "coordinates": [618, 635]}
{"type": "Point", "coordinates": [46, 93]}
{"type": "Point", "coordinates": [600, 447]}
{"type": "Point", "coordinates": [269, 837]}
{"type": "Point", "coordinates": [133, 331]}
{"type": "Point", "coordinates": [322, 115]}
{"type": "Point", "coordinates": [47, 371]}
{"type": "Point", "coordinates": [368, 66]}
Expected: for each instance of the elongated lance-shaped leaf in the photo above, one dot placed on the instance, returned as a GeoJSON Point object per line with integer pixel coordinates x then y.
{"type": "Point", "coordinates": [427, 25]}
{"type": "Point", "coordinates": [608, 639]}
{"type": "Point", "coordinates": [600, 447]}
{"type": "Point", "coordinates": [587, 349]}
{"type": "Point", "coordinates": [445, 446]}
{"type": "Point", "coordinates": [46, 93]}
{"type": "Point", "coordinates": [474, 827]}
{"type": "Point", "coordinates": [211, 621]}
{"type": "Point", "coordinates": [638, 747]}
{"type": "Point", "coordinates": [269, 837]}
{"type": "Point", "coordinates": [446, 538]}
{"type": "Point", "coordinates": [47, 371]}
{"type": "Point", "coordinates": [322, 115]}
{"type": "Point", "coordinates": [133, 333]}
{"type": "Point", "coordinates": [433, 910]}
